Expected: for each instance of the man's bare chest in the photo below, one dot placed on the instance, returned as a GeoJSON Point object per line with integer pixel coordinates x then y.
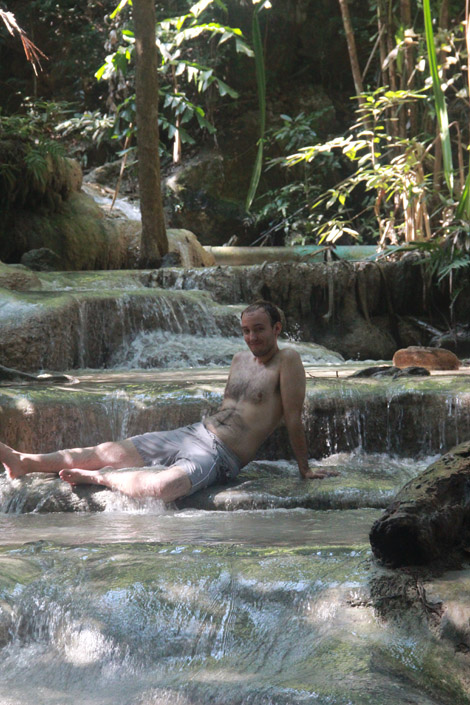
{"type": "Point", "coordinates": [251, 385]}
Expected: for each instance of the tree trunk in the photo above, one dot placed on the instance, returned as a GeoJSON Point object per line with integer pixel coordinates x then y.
{"type": "Point", "coordinates": [154, 243]}
{"type": "Point", "coordinates": [348, 30]}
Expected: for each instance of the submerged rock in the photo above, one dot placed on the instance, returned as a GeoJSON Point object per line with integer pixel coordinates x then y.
{"type": "Point", "coordinates": [18, 278]}
{"type": "Point", "coordinates": [430, 517]}
{"type": "Point", "coordinates": [407, 417]}
{"type": "Point", "coordinates": [392, 371]}
{"type": "Point", "coordinates": [430, 358]}
{"type": "Point", "coordinates": [9, 375]}
{"type": "Point", "coordinates": [63, 330]}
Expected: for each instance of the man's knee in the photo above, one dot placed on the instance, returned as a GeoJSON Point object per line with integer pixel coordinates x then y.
{"type": "Point", "coordinates": [172, 484]}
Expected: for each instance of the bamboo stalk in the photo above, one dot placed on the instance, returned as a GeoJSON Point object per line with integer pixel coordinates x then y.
{"type": "Point", "coordinates": [410, 72]}
{"type": "Point", "coordinates": [382, 41]}
{"type": "Point", "coordinates": [388, 65]}
{"type": "Point", "coordinates": [352, 50]}
{"type": "Point", "coordinates": [382, 27]}
{"type": "Point", "coordinates": [372, 54]}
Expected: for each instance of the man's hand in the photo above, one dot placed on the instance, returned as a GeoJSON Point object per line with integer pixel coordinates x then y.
{"type": "Point", "coordinates": [319, 473]}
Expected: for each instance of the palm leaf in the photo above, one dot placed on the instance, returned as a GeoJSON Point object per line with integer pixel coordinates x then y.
{"type": "Point", "coordinates": [439, 99]}
{"type": "Point", "coordinates": [261, 83]}
{"type": "Point", "coordinates": [463, 208]}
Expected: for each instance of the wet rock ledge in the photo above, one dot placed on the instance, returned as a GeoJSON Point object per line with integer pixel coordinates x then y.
{"type": "Point", "coordinates": [430, 517]}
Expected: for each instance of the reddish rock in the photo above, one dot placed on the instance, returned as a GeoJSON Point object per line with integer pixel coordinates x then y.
{"type": "Point", "coordinates": [430, 358]}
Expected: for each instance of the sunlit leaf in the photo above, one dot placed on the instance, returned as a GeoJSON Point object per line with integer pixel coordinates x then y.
{"type": "Point", "coordinates": [439, 99]}
{"type": "Point", "coordinates": [121, 5]}
{"type": "Point", "coordinates": [243, 48]}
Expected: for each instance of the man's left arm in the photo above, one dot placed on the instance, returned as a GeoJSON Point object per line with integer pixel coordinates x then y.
{"type": "Point", "coordinates": [292, 396]}
{"type": "Point", "coordinates": [293, 387]}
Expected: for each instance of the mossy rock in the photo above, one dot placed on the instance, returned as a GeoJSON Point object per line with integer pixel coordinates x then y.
{"type": "Point", "coordinates": [18, 278]}
{"type": "Point", "coordinates": [34, 174]}
{"type": "Point", "coordinates": [429, 519]}
{"type": "Point", "coordinates": [77, 231]}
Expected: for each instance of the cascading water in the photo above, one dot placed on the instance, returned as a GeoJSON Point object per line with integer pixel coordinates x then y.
{"type": "Point", "coordinates": [267, 599]}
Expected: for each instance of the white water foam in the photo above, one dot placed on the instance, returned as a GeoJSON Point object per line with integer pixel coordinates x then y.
{"type": "Point", "coordinates": [177, 350]}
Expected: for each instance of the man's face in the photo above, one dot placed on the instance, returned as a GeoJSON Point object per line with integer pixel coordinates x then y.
{"type": "Point", "coordinates": [259, 334]}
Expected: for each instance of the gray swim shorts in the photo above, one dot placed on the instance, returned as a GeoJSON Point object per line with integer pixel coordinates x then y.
{"type": "Point", "coordinates": [198, 451]}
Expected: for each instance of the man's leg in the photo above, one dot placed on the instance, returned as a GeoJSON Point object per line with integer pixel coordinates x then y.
{"type": "Point", "coordinates": [122, 454]}
{"type": "Point", "coordinates": [166, 484]}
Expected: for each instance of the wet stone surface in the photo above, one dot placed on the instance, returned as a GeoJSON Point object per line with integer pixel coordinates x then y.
{"type": "Point", "coordinates": [364, 480]}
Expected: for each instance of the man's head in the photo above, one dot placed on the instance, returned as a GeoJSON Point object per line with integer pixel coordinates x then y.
{"type": "Point", "coordinates": [261, 325]}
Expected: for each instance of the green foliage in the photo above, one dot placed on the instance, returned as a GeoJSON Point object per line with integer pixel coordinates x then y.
{"type": "Point", "coordinates": [286, 209]}
{"type": "Point", "coordinates": [31, 164]}
{"type": "Point", "coordinates": [54, 122]}
{"type": "Point", "coordinates": [296, 131]}
{"type": "Point", "coordinates": [84, 132]}
{"type": "Point", "coordinates": [188, 69]}
{"type": "Point", "coordinates": [71, 35]}
{"type": "Point", "coordinates": [388, 171]}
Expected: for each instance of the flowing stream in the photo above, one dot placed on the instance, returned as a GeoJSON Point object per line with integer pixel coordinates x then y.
{"type": "Point", "coordinates": [257, 594]}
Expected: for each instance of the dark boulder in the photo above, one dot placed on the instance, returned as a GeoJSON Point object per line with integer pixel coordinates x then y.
{"type": "Point", "coordinates": [391, 371]}
{"type": "Point", "coordinates": [42, 259]}
{"type": "Point", "coordinates": [430, 516]}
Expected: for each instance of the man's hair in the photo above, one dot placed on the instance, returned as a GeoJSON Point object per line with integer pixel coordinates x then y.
{"type": "Point", "coordinates": [272, 310]}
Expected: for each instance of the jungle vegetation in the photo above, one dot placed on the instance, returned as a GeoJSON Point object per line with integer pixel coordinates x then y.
{"type": "Point", "coordinates": [392, 166]}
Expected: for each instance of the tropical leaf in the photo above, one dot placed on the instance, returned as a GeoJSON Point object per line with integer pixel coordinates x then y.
{"type": "Point", "coordinates": [120, 6]}
{"type": "Point", "coordinates": [261, 84]}
{"type": "Point", "coordinates": [439, 99]}
{"type": "Point", "coordinates": [463, 208]}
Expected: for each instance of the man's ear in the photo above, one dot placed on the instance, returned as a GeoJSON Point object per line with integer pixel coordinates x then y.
{"type": "Point", "coordinates": [277, 327]}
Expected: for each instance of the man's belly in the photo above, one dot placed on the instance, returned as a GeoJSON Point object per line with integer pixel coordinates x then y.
{"type": "Point", "coordinates": [242, 434]}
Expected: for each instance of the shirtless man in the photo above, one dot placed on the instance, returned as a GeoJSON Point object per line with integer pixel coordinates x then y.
{"type": "Point", "coordinates": [265, 385]}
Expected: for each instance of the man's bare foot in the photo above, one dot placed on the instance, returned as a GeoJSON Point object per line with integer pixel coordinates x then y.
{"type": "Point", "coordinates": [77, 476]}
{"type": "Point", "coordinates": [12, 460]}
{"type": "Point", "coordinates": [321, 473]}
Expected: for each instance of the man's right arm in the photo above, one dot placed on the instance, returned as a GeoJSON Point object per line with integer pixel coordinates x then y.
{"type": "Point", "coordinates": [292, 395]}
